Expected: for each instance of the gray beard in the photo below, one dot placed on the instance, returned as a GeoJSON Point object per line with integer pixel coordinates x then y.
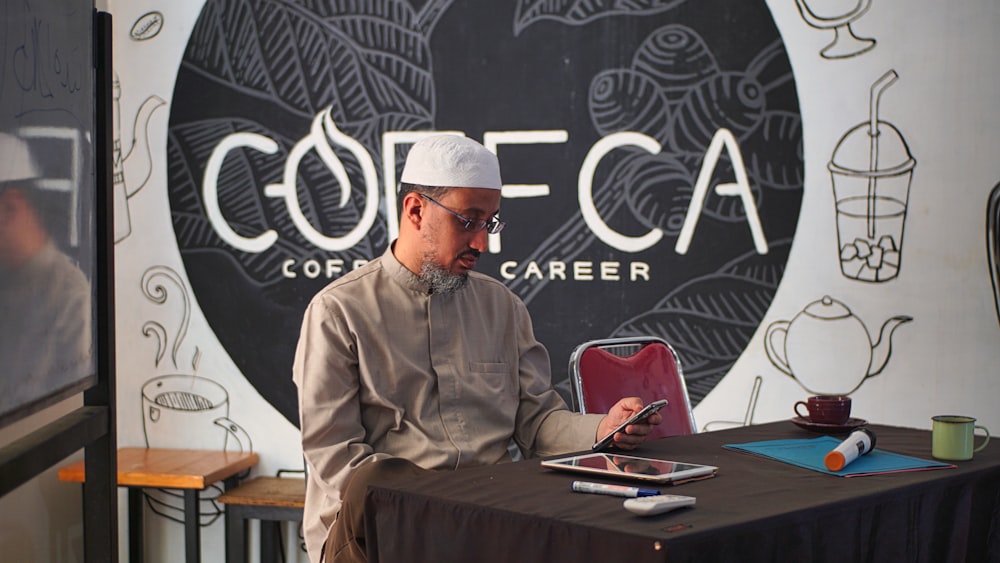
{"type": "Point", "coordinates": [439, 280]}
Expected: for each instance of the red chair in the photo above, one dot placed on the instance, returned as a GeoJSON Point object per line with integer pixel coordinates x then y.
{"type": "Point", "coordinates": [603, 371]}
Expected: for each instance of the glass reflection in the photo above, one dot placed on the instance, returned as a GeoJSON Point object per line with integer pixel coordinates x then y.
{"type": "Point", "coordinates": [46, 314]}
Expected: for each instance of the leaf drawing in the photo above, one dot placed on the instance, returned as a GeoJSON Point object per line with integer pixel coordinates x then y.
{"type": "Point", "coordinates": [579, 12]}
{"type": "Point", "coordinates": [363, 63]}
{"type": "Point", "coordinates": [676, 58]}
{"type": "Point", "coordinates": [710, 319]}
{"type": "Point", "coordinates": [732, 100]}
{"type": "Point", "coordinates": [659, 192]}
{"type": "Point", "coordinates": [622, 99]}
{"type": "Point", "coordinates": [770, 68]}
{"type": "Point", "coordinates": [775, 158]}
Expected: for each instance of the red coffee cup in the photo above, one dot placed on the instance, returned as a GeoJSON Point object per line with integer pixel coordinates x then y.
{"type": "Point", "coordinates": [826, 409]}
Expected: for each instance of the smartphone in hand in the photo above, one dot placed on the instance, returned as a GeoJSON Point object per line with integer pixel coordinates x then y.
{"type": "Point", "coordinates": [637, 417]}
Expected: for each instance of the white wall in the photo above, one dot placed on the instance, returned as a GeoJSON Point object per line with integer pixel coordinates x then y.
{"type": "Point", "coordinates": [944, 361]}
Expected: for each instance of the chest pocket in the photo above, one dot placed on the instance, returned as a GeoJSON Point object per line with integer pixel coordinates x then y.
{"type": "Point", "coordinates": [492, 382]}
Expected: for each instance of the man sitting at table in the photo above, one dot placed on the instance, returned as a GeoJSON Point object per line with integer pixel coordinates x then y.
{"type": "Point", "coordinates": [415, 362]}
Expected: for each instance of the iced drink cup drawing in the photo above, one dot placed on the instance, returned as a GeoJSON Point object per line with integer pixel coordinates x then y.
{"type": "Point", "coordinates": [871, 170]}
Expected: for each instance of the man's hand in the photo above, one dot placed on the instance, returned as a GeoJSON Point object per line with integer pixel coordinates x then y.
{"type": "Point", "coordinates": [634, 434]}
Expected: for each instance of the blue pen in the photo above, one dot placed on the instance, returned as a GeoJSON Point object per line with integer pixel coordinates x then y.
{"type": "Point", "coordinates": [613, 490]}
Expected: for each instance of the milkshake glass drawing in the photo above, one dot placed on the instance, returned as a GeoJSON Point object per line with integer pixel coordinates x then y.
{"type": "Point", "coordinates": [871, 169]}
{"type": "Point", "coordinates": [838, 16]}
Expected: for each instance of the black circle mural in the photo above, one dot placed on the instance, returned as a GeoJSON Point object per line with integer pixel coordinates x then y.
{"type": "Point", "coordinates": [651, 152]}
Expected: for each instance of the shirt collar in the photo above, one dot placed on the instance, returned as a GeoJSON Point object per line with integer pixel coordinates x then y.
{"type": "Point", "coordinates": [400, 273]}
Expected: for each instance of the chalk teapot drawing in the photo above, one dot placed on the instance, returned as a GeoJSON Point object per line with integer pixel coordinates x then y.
{"type": "Point", "coordinates": [827, 349]}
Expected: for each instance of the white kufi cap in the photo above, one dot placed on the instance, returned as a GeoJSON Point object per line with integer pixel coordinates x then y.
{"type": "Point", "coordinates": [451, 161]}
{"type": "Point", "coordinates": [15, 160]}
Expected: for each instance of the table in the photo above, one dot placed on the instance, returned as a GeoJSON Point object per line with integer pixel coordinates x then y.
{"type": "Point", "coordinates": [268, 499]}
{"type": "Point", "coordinates": [755, 509]}
{"type": "Point", "coordinates": [189, 470]}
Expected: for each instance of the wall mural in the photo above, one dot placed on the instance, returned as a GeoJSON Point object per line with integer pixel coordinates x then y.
{"type": "Point", "coordinates": [183, 410]}
{"type": "Point", "coordinates": [131, 159]}
{"type": "Point", "coordinates": [872, 169]}
{"type": "Point", "coordinates": [827, 349]}
{"type": "Point", "coordinates": [659, 182]}
{"type": "Point", "coordinates": [147, 26]}
{"type": "Point", "coordinates": [845, 43]}
{"type": "Point", "coordinates": [758, 382]}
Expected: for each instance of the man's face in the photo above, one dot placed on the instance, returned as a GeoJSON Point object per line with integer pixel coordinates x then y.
{"type": "Point", "coordinates": [448, 247]}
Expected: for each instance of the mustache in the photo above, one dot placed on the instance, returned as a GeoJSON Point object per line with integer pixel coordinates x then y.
{"type": "Point", "coordinates": [471, 252]}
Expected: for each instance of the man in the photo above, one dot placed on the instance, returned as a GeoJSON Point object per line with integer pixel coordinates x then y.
{"type": "Point", "coordinates": [415, 362]}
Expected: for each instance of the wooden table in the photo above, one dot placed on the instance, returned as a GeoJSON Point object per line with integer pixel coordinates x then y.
{"type": "Point", "coordinates": [268, 499]}
{"type": "Point", "coordinates": [189, 470]}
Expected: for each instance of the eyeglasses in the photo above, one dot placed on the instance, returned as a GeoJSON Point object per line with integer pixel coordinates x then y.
{"type": "Point", "coordinates": [492, 225]}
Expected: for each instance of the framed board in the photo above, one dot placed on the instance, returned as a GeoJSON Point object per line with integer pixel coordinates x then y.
{"type": "Point", "coordinates": [48, 236]}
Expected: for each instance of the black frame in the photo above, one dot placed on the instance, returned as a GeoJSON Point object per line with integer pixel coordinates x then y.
{"type": "Point", "coordinates": [93, 426]}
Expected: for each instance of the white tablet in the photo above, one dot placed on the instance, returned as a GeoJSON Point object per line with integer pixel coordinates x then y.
{"type": "Point", "coordinates": [631, 467]}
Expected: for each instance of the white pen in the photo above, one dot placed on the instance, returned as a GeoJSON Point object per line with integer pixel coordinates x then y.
{"type": "Point", "coordinates": [613, 490]}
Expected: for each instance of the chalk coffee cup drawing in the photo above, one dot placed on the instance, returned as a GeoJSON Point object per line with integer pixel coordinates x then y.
{"type": "Point", "coordinates": [189, 412]}
{"type": "Point", "coordinates": [825, 409]}
{"type": "Point", "coordinates": [953, 436]}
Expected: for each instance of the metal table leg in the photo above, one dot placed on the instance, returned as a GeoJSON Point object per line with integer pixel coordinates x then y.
{"type": "Point", "coordinates": [135, 529]}
{"type": "Point", "coordinates": [269, 532]}
{"type": "Point", "coordinates": [236, 528]}
{"type": "Point", "coordinates": [236, 534]}
{"type": "Point", "coordinates": [192, 530]}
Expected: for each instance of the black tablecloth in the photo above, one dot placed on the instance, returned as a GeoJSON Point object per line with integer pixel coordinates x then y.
{"type": "Point", "coordinates": [755, 509]}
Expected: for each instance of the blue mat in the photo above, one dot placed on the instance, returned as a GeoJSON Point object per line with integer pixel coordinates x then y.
{"type": "Point", "coordinates": [809, 453]}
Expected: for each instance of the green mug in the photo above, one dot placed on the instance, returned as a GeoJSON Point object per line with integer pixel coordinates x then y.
{"type": "Point", "coordinates": [952, 437]}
